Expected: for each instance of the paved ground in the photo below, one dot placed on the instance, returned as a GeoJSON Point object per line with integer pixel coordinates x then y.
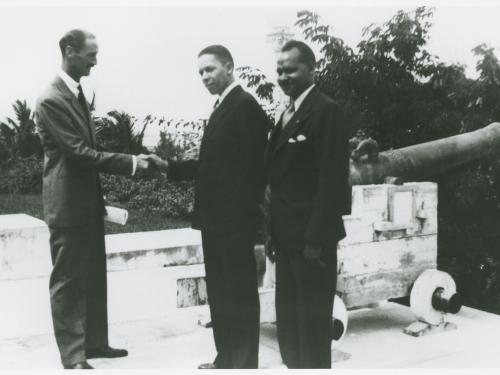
{"type": "Point", "coordinates": [374, 340]}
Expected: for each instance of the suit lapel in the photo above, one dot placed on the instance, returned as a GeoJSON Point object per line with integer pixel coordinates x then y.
{"type": "Point", "coordinates": [294, 123]}
{"type": "Point", "coordinates": [219, 112]}
{"type": "Point", "coordinates": [73, 102]}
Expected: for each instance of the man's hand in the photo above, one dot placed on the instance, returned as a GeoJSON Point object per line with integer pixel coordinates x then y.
{"type": "Point", "coordinates": [143, 167]}
{"type": "Point", "coordinates": [313, 253]}
{"type": "Point", "coordinates": [270, 248]}
{"type": "Point", "coordinates": [158, 163]}
{"type": "Point", "coordinates": [149, 164]}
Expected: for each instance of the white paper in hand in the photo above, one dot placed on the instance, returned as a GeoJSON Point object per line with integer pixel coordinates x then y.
{"type": "Point", "coordinates": [116, 215]}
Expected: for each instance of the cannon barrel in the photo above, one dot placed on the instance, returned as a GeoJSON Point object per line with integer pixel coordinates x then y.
{"type": "Point", "coordinates": [427, 159]}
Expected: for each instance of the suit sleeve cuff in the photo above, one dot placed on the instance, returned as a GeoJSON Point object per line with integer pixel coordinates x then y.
{"type": "Point", "coordinates": [134, 164]}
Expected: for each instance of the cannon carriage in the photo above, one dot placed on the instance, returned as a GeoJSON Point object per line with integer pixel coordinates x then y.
{"type": "Point", "coordinates": [390, 251]}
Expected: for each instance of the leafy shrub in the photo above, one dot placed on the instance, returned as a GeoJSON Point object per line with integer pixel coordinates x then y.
{"type": "Point", "coordinates": [156, 194]}
{"type": "Point", "coordinates": [177, 137]}
{"type": "Point", "coordinates": [116, 133]}
{"type": "Point", "coordinates": [175, 200]}
{"type": "Point", "coordinates": [21, 176]}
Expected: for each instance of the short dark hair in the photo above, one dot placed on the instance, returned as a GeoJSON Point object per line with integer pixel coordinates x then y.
{"type": "Point", "coordinates": [306, 53]}
{"type": "Point", "coordinates": [74, 38]}
{"type": "Point", "coordinates": [221, 52]}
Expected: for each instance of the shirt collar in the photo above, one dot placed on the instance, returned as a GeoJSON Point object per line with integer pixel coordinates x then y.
{"type": "Point", "coordinates": [70, 82]}
{"type": "Point", "coordinates": [227, 90]}
{"type": "Point", "coordinates": [297, 102]}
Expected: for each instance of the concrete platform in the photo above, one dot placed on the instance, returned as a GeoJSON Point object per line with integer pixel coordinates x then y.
{"type": "Point", "coordinates": [143, 284]}
{"type": "Point", "coordinates": [374, 340]}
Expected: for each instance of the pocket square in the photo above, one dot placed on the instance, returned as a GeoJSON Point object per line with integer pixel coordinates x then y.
{"type": "Point", "coordinates": [301, 137]}
{"type": "Point", "coordinates": [291, 140]}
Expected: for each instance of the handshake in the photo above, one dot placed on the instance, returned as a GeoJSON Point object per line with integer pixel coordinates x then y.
{"type": "Point", "coordinates": [151, 164]}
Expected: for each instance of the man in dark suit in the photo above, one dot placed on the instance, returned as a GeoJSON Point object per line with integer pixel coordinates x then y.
{"type": "Point", "coordinates": [308, 169]}
{"type": "Point", "coordinates": [230, 182]}
{"type": "Point", "coordinates": [74, 206]}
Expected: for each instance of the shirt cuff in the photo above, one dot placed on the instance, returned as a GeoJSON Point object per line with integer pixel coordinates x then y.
{"type": "Point", "coordinates": [134, 164]}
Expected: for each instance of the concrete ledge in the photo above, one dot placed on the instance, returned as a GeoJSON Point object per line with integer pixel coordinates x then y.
{"type": "Point", "coordinates": [24, 247]}
{"type": "Point", "coordinates": [25, 251]}
{"type": "Point", "coordinates": [163, 248]}
{"type": "Point", "coordinates": [122, 242]}
{"type": "Point", "coordinates": [143, 279]}
{"type": "Point", "coordinates": [16, 222]}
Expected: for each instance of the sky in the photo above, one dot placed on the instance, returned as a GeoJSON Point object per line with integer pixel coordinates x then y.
{"type": "Point", "coordinates": [147, 61]}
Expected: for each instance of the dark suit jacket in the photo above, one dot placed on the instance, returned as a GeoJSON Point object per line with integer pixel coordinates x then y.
{"type": "Point", "coordinates": [230, 175]}
{"type": "Point", "coordinates": [71, 187]}
{"type": "Point", "coordinates": [308, 172]}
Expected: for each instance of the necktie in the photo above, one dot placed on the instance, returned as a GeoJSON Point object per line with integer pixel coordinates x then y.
{"type": "Point", "coordinates": [82, 101]}
{"type": "Point", "coordinates": [83, 104]}
{"type": "Point", "coordinates": [288, 114]}
{"type": "Point", "coordinates": [216, 104]}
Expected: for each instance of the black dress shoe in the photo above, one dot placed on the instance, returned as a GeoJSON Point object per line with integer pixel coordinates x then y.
{"type": "Point", "coordinates": [79, 366]}
{"type": "Point", "coordinates": [105, 352]}
{"type": "Point", "coordinates": [207, 366]}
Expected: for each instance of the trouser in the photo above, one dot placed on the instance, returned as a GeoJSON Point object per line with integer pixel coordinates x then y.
{"type": "Point", "coordinates": [304, 304]}
{"type": "Point", "coordinates": [78, 289]}
{"type": "Point", "coordinates": [231, 278]}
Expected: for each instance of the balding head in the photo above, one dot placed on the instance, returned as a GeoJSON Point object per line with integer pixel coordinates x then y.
{"type": "Point", "coordinates": [79, 51]}
{"type": "Point", "coordinates": [75, 39]}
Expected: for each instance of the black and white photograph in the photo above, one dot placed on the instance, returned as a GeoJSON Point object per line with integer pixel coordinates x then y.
{"type": "Point", "coordinates": [269, 185]}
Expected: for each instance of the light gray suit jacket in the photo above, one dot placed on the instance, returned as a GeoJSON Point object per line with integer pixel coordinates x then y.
{"type": "Point", "coordinates": [71, 186]}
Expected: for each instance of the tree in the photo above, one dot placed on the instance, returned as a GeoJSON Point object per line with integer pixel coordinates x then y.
{"type": "Point", "coordinates": [390, 86]}
{"type": "Point", "coordinates": [18, 136]}
{"type": "Point", "coordinates": [116, 132]}
{"type": "Point", "coordinates": [266, 91]}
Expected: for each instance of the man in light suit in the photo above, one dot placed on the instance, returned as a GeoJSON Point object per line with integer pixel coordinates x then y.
{"type": "Point", "coordinates": [308, 168]}
{"type": "Point", "coordinates": [74, 206]}
{"type": "Point", "coordinates": [230, 180]}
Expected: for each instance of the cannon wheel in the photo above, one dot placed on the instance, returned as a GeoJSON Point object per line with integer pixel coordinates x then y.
{"type": "Point", "coordinates": [423, 293]}
{"type": "Point", "coordinates": [339, 321]}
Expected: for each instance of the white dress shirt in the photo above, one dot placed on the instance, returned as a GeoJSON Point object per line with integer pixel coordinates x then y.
{"type": "Point", "coordinates": [70, 82]}
{"type": "Point", "coordinates": [297, 102]}
{"type": "Point", "coordinates": [226, 91]}
{"type": "Point", "coordinates": [289, 111]}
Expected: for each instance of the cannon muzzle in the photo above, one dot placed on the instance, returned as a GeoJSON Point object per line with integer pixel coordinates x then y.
{"type": "Point", "coordinates": [450, 305]}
